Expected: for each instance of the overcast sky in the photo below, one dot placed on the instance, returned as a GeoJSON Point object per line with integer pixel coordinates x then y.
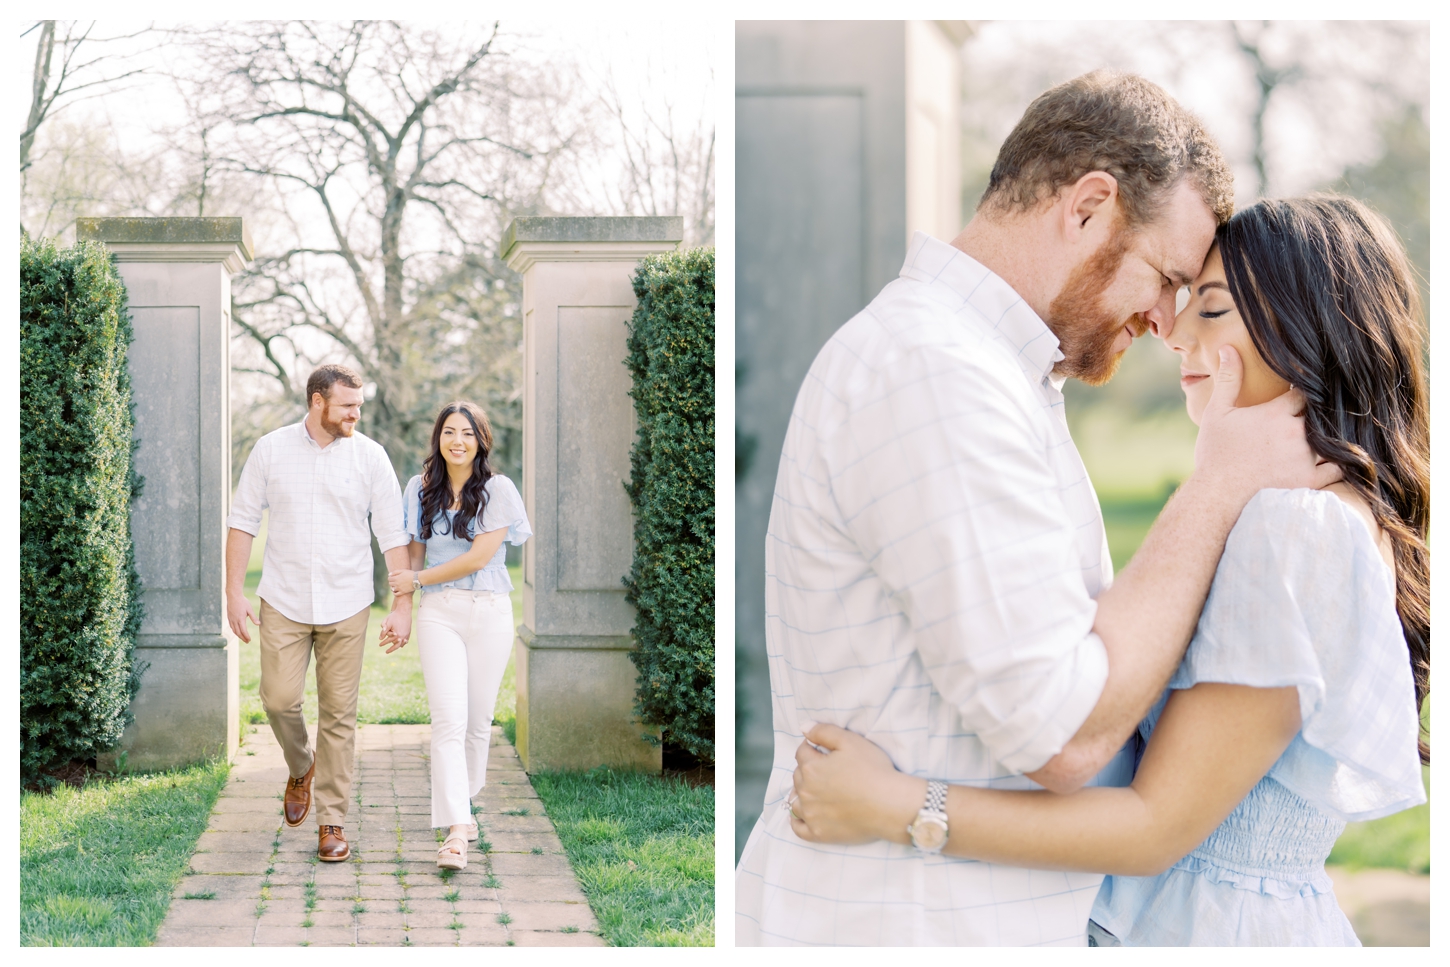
{"type": "Point", "coordinates": [653, 61]}
{"type": "Point", "coordinates": [1315, 126]}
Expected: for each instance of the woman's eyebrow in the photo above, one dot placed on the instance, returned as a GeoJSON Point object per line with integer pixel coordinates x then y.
{"type": "Point", "coordinates": [1215, 284]}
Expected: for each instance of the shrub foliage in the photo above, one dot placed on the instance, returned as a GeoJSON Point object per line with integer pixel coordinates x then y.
{"type": "Point", "coordinates": [79, 591]}
{"type": "Point", "coordinates": [672, 486]}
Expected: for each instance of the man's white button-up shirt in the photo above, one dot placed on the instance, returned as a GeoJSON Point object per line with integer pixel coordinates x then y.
{"type": "Point", "coordinates": [317, 567]}
{"type": "Point", "coordinates": [934, 551]}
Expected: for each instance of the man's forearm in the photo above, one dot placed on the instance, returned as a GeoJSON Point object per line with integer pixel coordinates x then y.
{"type": "Point", "coordinates": [239, 553]}
{"type": "Point", "coordinates": [397, 560]}
{"type": "Point", "coordinates": [1145, 621]}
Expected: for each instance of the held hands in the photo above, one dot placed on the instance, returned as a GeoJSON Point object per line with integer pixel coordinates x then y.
{"type": "Point", "coordinates": [397, 626]}
{"type": "Point", "coordinates": [1246, 449]}
{"type": "Point", "coordinates": [850, 793]}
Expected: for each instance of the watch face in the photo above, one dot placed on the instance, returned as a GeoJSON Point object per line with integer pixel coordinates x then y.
{"type": "Point", "coordinates": [928, 834]}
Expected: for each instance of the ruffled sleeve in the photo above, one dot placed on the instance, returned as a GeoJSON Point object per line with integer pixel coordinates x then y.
{"type": "Point", "coordinates": [413, 508]}
{"type": "Point", "coordinates": [505, 508]}
{"type": "Point", "coordinates": [1302, 597]}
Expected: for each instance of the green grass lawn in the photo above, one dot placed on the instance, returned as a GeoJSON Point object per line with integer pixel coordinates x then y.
{"type": "Point", "coordinates": [1401, 841]}
{"type": "Point", "coordinates": [644, 850]}
{"type": "Point", "coordinates": [98, 864]}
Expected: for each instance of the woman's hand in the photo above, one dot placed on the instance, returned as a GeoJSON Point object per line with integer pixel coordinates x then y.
{"type": "Point", "coordinates": [850, 793]}
{"type": "Point", "coordinates": [401, 581]}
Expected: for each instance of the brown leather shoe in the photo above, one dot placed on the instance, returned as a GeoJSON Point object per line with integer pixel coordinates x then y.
{"type": "Point", "coordinates": [332, 845]}
{"type": "Point", "coordinates": [297, 797]}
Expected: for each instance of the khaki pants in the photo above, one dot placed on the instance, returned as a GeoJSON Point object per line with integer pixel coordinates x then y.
{"type": "Point", "coordinates": [286, 647]}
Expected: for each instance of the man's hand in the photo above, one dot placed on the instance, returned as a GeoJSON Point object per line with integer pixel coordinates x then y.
{"type": "Point", "coordinates": [239, 609]}
{"type": "Point", "coordinates": [397, 626]}
{"type": "Point", "coordinates": [850, 793]}
{"type": "Point", "coordinates": [1242, 450]}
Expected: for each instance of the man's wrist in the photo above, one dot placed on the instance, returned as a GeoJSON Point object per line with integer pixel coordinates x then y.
{"type": "Point", "coordinates": [1221, 497]}
{"type": "Point", "coordinates": [902, 799]}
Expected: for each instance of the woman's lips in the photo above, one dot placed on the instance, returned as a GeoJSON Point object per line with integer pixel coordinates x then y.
{"type": "Point", "coordinates": [1192, 379]}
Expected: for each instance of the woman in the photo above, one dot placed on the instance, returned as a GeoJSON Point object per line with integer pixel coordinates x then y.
{"type": "Point", "coordinates": [1295, 707]}
{"type": "Point", "coordinates": [459, 513]}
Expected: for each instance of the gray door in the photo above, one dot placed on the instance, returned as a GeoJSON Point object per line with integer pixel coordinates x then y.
{"type": "Point", "coordinates": [820, 224]}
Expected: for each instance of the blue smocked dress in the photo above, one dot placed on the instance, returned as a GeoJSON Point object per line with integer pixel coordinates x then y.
{"type": "Point", "coordinates": [1302, 597]}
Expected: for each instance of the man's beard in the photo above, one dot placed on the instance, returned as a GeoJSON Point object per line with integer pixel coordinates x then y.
{"type": "Point", "coordinates": [1085, 329]}
{"type": "Point", "coordinates": [336, 427]}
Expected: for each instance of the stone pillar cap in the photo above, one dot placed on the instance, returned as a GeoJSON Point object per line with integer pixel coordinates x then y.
{"type": "Point", "coordinates": [533, 239]}
{"type": "Point", "coordinates": [227, 239]}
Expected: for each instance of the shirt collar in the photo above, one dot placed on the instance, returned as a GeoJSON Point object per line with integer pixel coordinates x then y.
{"type": "Point", "coordinates": [302, 430]}
{"type": "Point", "coordinates": [970, 283]}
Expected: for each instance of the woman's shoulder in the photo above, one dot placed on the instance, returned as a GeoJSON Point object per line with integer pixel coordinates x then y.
{"type": "Point", "coordinates": [1303, 524]}
{"type": "Point", "coordinates": [1300, 569]}
{"type": "Point", "coordinates": [498, 484]}
{"type": "Point", "coordinates": [414, 486]}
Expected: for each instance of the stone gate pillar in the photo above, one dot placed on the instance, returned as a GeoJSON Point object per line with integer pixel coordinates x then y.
{"type": "Point", "coordinates": [574, 677]}
{"type": "Point", "coordinates": [178, 285]}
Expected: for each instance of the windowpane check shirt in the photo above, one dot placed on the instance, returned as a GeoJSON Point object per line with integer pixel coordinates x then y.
{"type": "Point", "coordinates": [934, 551]}
{"type": "Point", "coordinates": [317, 567]}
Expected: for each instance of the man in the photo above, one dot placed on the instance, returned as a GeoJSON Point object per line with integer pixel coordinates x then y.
{"type": "Point", "coordinates": [321, 481]}
{"type": "Point", "coordinates": [937, 575]}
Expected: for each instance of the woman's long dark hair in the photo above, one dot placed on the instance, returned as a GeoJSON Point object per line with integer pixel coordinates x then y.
{"type": "Point", "coordinates": [1328, 297]}
{"type": "Point", "coordinates": [438, 491]}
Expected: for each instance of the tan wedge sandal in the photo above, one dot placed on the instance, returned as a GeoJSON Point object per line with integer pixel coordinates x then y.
{"type": "Point", "coordinates": [453, 854]}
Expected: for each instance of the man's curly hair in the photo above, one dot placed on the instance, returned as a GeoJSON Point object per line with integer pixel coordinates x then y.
{"type": "Point", "coordinates": [1114, 122]}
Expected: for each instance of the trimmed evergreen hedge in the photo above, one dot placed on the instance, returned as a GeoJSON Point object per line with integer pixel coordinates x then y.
{"type": "Point", "coordinates": [80, 606]}
{"type": "Point", "coordinates": [672, 486]}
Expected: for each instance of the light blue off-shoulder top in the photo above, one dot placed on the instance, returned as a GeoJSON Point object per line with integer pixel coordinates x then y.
{"type": "Point", "coordinates": [1301, 597]}
{"type": "Point", "coordinates": [503, 508]}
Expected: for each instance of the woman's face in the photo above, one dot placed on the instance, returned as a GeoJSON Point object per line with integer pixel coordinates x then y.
{"type": "Point", "coordinates": [457, 442]}
{"type": "Point", "coordinates": [1209, 321]}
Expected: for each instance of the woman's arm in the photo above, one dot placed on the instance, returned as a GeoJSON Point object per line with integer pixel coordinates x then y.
{"type": "Point", "coordinates": [1212, 744]}
{"type": "Point", "coordinates": [484, 547]}
{"type": "Point", "coordinates": [416, 550]}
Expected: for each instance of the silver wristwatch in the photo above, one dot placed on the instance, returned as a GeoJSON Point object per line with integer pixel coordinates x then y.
{"type": "Point", "coordinates": [929, 832]}
{"type": "Point", "coordinates": [416, 583]}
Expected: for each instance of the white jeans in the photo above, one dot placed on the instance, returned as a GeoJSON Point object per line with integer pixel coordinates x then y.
{"type": "Point", "coordinates": [464, 639]}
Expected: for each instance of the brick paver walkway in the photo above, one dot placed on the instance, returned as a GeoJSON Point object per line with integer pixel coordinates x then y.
{"type": "Point", "coordinates": [254, 881]}
{"type": "Point", "coordinates": [1389, 908]}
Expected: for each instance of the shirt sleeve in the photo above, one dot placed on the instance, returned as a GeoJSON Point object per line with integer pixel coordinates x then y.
{"type": "Point", "coordinates": [961, 516]}
{"type": "Point", "coordinates": [1302, 598]}
{"type": "Point", "coordinates": [505, 508]}
{"type": "Point", "coordinates": [251, 496]}
{"type": "Point", "coordinates": [412, 509]}
{"type": "Point", "coordinates": [386, 504]}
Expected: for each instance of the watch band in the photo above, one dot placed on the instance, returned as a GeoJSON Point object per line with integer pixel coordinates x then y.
{"type": "Point", "coordinates": [929, 831]}
{"type": "Point", "coordinates": [936, 797]}
{"type": "Point", "coordinates": [416, 583]}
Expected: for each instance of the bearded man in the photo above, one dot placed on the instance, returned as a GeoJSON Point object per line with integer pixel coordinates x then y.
{"type": "Point", "coordinates": [937, 574]}
{"type": "Point", "coordinates": [321, 481]}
